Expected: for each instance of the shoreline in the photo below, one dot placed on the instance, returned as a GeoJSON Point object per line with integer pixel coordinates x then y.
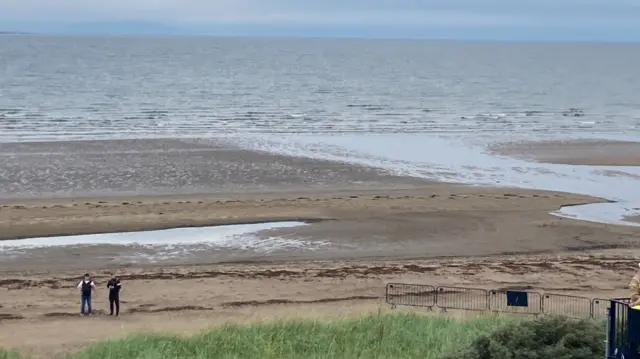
{"type": "Point", "coordinates": [634, 218]}
{"type": "Point", "coordinates": [456, 160]}
{"type": "Point", "coordinates": [238, 175]}
{"type": "Point", "coordinates": [185, 167]}
{"type": "Point", "coordinates": [119, 208]}
{"type": "Point", "coordinates": [582, 152]}
{"type": "Point", "coordinates": [430, 222]}
{"type": "Point", "coordinates": [153, 227]}
{"type": "Point", "coordinates": [57, 211]}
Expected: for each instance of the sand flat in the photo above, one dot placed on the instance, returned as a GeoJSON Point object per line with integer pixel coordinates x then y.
{"type": "Point", "coordinates": [169, 166]}
{"type": "Point", "coordinates": [635, 219]}
{"type": "Point", "coordinates": [375, 228]}
{"type": "Point", "coordinates": [427, 222]}
{"type": "Point", "coordinates": [574, 152]}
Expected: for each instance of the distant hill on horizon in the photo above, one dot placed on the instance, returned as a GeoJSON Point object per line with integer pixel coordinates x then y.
{"type": "Point", "coordinates": [13, 33]}
{"type": "Point", "coordinates": [151, 28]}
{"type": "Point", "coordinates": [123, 28]}
{"type": "Point", "coordinates": [94, 28]}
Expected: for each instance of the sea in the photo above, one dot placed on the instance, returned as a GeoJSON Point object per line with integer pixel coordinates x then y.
{"type": "Point", "coordinates": [414, 107]}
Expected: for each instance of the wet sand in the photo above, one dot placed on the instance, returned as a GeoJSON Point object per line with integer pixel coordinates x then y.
{"type": "Point", "coordinates": [168, 166]}
{"type": "Point", "coordinates": [578, 152]}
{"type": "Point", "coordinates": [635, 219]}
{"type": "Point", "coordinates": [377, 228]}
{"type": "Point", "coordinates": [428, 222]}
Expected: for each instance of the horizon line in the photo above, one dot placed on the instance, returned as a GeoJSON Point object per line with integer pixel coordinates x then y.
{"type": "Point", "coordinates": [293, 36]}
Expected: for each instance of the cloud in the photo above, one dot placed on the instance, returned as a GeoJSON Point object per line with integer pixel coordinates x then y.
{"type": "Point", "coordinates": [402, 13]}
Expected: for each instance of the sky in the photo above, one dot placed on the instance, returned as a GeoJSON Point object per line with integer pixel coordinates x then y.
{"type": "Point", "coordinates": [608, 20]}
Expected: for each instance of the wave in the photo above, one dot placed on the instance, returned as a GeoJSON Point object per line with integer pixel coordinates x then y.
{"type": "Point", "coordinates": [110, 123]}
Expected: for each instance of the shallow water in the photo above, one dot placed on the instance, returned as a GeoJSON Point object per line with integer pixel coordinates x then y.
{"type": "Point", "coordinates": [460, 160]}
{"type": "Point", "coordinates": [223, 243]}
{"type": "Point", "coordinates": [241, 236]}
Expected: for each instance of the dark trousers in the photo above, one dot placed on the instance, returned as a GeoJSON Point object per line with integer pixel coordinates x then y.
{"type": "Point", "coordinates": [114, 300]}
{"type": "Point", "coordinates": [86, 302]}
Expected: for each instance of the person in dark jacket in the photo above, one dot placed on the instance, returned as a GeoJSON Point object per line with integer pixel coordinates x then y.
{"type": "Point", "coordinates": [114, 286]}
{"type": "Point", "coordinates": [86, 285]}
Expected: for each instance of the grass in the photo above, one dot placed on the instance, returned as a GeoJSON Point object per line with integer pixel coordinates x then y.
{"type": "Point", "coordinates": [394, 336]}
{"type": "Point", "coordinates": [8, 354]}
{"type": "Point", "coordinates": [401, 336]}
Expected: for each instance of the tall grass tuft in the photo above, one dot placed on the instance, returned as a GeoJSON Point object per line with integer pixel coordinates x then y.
{"type": "Point", "coordinates": [393, 336]}
{"type": "Point", "coordinates": [542, 338]}
{"type": "Point", "coordinates": [9, 354]}
{"type": "Point", "coordinates": [398, 336]}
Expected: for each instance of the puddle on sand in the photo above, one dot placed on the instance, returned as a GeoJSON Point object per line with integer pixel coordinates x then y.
{"type": "Point", "coordinates": [170, 242]}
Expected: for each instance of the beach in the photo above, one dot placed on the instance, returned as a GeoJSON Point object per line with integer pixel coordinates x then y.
{"type": "Point", "coordinates": [634, 219]}
{"type": "Point", "coordinates": [574, 152]}
{"type": "Point", "coordinates": [359, 228]}
{"type": "Point", "coordinates": [183, 300]}
{"type": "Point", "coordinates": [237, 180]}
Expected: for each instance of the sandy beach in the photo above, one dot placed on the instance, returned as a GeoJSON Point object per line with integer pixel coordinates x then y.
{"type": "Point", "coordinates": [185, 299]}
{"type": "Point", "coordinates": [633, 219]}
{"type": "Point", "coordinates": [374, 228]}
{"type": "Point", "coordinates": [425, 223]}
{"type": "Point", "coordinates": [574, 152]}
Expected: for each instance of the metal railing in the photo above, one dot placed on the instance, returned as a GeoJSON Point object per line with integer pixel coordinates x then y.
{"type": "Point", "coordinates": [414, 295]}
{"type": "Point", "coordinates": [504, 301]}
{"type": "Point", "coordinates": [618, 329]}
{"type": "Point", "coordinates": [623, 322]}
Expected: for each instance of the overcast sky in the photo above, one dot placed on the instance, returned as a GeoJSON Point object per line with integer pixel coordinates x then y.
{"type": "Point", "coordinates": [607, 16]}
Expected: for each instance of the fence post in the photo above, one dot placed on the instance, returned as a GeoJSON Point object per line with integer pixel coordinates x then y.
{"type": "Point", "coordinates": [611, 328]}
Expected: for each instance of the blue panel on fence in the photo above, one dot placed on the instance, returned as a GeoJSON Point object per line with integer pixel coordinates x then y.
{"type": "Point", "coordinates": [513, 301]}
{"type": "Point", "coordinates": [517, 299]}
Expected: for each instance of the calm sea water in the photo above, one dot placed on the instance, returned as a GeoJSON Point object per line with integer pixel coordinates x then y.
{"type": "Point", "coordinates": [140, 87]}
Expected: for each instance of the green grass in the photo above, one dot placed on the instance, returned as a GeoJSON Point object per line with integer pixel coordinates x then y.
{"type": "Point", "coordinates": [8, 354]}
{"type": "Point", "coordinates": [400, 336]}
{"type": "Point", "coordinates": [393, 336]}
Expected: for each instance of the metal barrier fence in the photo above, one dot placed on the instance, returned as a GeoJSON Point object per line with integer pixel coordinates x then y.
{"type": "Point", "coordinates": [504, 301]}
{"type": "Point", "coordinates": [567, 305]}
{"type": "Point", "coordinates": [515, 302]}
{"type": "Point", "coordinates": [461, 298]}
{"type": "Point", "coordinates": [623, 330]}
{"type": "Point", "coordinates": [415, 295]}
{"type": "Point", "coordinates": [600, 308]}
{"type": "Point", "coordinates": [617, 327]}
